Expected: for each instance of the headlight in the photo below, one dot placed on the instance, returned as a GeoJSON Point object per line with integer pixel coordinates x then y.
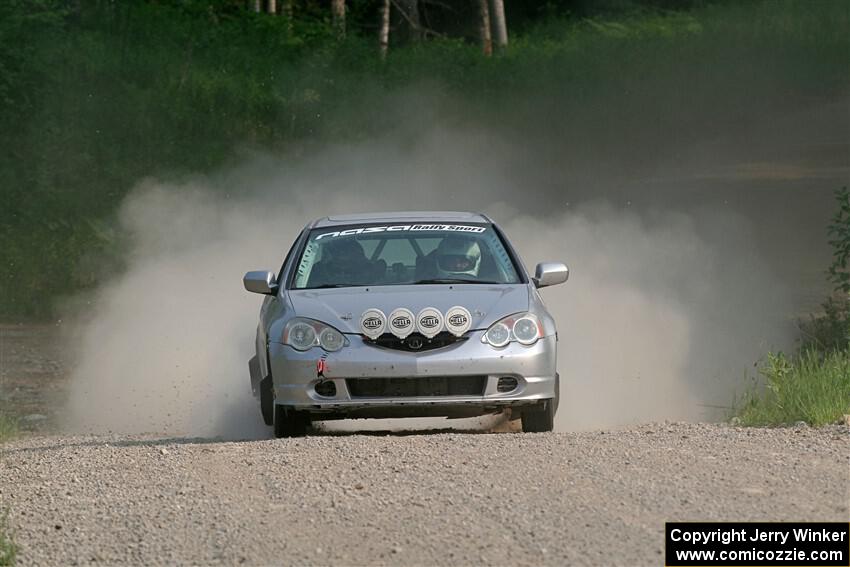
{"type": "Point", "coordinates": [524, 328]}
{"type": "Point", "coordinates": [304, 334]}
{"type": "Point", "coordinates": [498, 335]}
{"type": "Point", "coordinates": [331, 339]}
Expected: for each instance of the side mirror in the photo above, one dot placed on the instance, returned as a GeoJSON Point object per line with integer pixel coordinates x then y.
{"type": "Point", "coordinates": [550, 273]}
{"type": "Point", "coordinates": [260, 282]}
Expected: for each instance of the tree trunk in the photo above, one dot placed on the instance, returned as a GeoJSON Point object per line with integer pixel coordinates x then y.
{"type": "Point", "coordinates": [271, 7]}
{"type": "Point", "coordinates": [484, 28]}
{"type": "Point", "coordinates": [410, 12]}
{"type": "Point", "coordinates": [384, 29]}
{"type": "Point", "coordinates": [257, 5]}
{"type": "Point", "coordinates": [338, 10]}
{"type": "Point", "coordinates": [500, 26]}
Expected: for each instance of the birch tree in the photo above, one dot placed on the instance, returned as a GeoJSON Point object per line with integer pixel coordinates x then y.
{"type": "Point", "coordinates": [384, 28]}
{"type": "Point", "coordinates": [500, 26]}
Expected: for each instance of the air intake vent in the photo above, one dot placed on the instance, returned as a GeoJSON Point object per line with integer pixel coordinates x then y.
{"type": "Point", "coordinates": [416, 342]}
{"type": "Point", "coordinates": [431, 386]}
{"type": "Point", "coordinates": [506, 384]}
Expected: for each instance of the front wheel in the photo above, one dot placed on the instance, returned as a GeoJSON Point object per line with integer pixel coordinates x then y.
{"type": "Point", "coordinates": [290, 423]}
{"type": "Point", "coordinates": [539, 418]}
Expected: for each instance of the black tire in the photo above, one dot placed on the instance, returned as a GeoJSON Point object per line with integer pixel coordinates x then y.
{"type": "Point", "coordinates": [539, 418]}
{"type": "Point", "coordinates": [290, 423]}
{"type": "Point", "coordinates": [267, 400]}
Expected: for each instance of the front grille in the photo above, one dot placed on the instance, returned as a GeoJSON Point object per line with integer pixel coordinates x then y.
{"type": "Point", "coordinates": [426, 386]}
{"type": "Point", "coordinates": [415, 342]}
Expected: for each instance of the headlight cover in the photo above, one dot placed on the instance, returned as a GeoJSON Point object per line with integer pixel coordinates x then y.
{"type": "Point", "coordinates": [524, 328]}
{"type": "Point", "coordinates": [303, 334]}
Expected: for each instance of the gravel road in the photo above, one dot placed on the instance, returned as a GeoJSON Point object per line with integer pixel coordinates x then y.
{"type": "Point", "coordinates": [443, 498]}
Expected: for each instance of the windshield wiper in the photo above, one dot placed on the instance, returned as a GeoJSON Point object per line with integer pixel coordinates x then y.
{"type": "Point", "coordinates": [328, 285]}
{"type": "Point", "coordinates": [453, 280]}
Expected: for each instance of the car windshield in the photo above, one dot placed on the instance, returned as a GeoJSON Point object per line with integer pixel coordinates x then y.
{"type": "Point", "coordinates": [370, 255]}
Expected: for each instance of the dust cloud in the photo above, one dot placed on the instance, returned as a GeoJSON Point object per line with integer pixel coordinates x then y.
{"type": "Point", "coordinates": [670, 302]}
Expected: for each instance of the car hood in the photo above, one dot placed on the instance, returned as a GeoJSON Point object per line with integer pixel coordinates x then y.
{"type": "Point", "coordinates": [342, 307]}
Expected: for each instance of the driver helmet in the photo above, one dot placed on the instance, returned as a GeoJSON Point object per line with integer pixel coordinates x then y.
{"type": "Point", "coordinates": [458, 256]}
{"type": "Point", "coordinates": [345, 256]}
{"type": "Point", "coordinates": [345, 250]}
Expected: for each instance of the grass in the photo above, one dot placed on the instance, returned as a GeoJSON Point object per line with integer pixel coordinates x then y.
{"type": "Point", "coordinates": [8, 427]}
{"type": "Point", "coordinates": [812, 387]}
{"type": "Point", "coordinates": [8, 548]}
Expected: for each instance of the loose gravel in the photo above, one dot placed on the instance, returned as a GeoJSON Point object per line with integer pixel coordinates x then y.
{"type": "Point", "coordinates": [597, 498]}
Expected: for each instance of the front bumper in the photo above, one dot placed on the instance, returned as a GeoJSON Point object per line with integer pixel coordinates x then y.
{"type": "Point", "coordinates": [295, 376]}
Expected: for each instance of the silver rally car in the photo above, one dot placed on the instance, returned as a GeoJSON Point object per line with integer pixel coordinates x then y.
{"type": "Point", "coordinates": [404, 315]}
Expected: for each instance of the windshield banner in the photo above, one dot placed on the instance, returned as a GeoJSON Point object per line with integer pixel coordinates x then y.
{"type": "Point", "coordinates": [403, 227]}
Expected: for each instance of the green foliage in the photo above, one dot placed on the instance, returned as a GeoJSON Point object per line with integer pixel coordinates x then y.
{"type": "Point", "coordinates": [813, 387]}
{"type": "Point", "coordinates": [8, 548]}
{"type": "Point", "coordinates": [839, 230]}
{"type": "Point", "coordinates": [830, 330]}
{"type": "Point", "coordinates": [95, 96]}
{"type": "Point", "coordinates": [23, 25]}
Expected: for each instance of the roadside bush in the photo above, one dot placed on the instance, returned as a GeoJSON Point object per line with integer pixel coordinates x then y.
{"type": "Point", "coordinates": [812, 387]}
{"type": "Point", "coordinates": [829, 331]}
{"type": "Point", "coordinates": [839, 231]}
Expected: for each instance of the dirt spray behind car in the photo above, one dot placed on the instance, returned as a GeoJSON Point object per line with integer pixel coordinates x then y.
{"type": "Point", "coordinates": [665, 310]}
